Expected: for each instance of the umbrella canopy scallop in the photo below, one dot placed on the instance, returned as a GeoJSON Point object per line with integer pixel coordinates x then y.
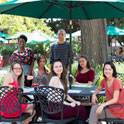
{"type": "Point", "coordinates": [69, 9]}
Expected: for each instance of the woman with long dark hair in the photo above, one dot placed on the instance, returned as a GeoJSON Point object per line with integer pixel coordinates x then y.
{"type": "Point", "coordinates": [113, 92]}
{"type": "Point", "coordinates": [58, 80]}
{"type": "Point", "coordinates": [41, 76]}
{"type": "Point", "coordinates": [85, 74]}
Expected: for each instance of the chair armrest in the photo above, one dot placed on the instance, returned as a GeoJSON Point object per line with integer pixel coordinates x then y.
{"type": "Point", "coordinates": [115, 119]}
{"type": "Point", "coordinates": [115, 105]}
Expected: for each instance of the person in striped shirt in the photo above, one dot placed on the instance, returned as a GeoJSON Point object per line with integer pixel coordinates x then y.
{"type": "Point", "coordinates": [61, 50]}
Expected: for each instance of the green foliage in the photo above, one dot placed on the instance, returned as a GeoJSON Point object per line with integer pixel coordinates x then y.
{"type": "Point", "coordinates": [63, 23]}
{"type": "Point", "coordinates": [76, 45]}
{"type": "Point", "coordinates": [40, 48]}
{"type": "Point", "coordinates": [14, 24]}
{"type": "Point", "coordinates": [101, 99]}
{"type": "Point", "coordinates": [98, 74]}
{"type": "Point", "coordinates": [74, 68]}
{"type": "Point", "coordinates": [1, 80]}
{"type": "Point", "coordinates": [7, 50]}
{"type": "Point", "coordinates": [119, 67]}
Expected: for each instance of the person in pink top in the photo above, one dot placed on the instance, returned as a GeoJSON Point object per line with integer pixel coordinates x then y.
{"type": "Point", "coordinates": [84, 73]}
{"type": "Point", "coordinates": [15, 79]}
{"type": "Point", "coordinates": [112, 86]}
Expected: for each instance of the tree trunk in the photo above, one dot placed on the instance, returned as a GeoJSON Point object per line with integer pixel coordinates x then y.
{"type": "Point", "coordinates": [94, 42]}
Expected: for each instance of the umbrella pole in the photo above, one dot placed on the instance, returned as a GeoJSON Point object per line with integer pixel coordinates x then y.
{"type": "Point", "coordinates": [70, 61]}
{"type": "Point", "coordinates": [111, 50]}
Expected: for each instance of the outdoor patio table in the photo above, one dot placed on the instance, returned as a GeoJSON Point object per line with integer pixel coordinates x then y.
{"type": "Point", "coordinates": [83, 93]}
{"type": "Point", "coordinates": [28, 90]}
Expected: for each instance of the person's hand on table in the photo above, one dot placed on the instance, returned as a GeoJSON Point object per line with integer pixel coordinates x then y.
{"type": "Point", "coordinates": [90, 82]}
{"type": "Point", "coordinates": [72, 104]}
{"type": "Point", "coordinates": [77, 83]}
{"type": "Point", "coordinates": [78, 103]}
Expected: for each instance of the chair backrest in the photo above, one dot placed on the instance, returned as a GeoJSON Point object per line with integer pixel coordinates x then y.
{"type": "Point", "coordinates": [9, 102]}
{"type": "Point", "coordinates": [50, 98]}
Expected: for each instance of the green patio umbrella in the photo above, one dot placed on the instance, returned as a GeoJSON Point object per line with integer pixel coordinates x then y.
{"type": "Point", "coordinates": [3, 35]}
{"type": "Point", "coordinates": [65, 9]}
{"type": "Point", "coordinates": [16, 36]}
{"type": "Point", "coordinates": [112, 30]}
{"type": "Point", "coordinates": [68, 9]}
{"type": "Point", "coordinates": [39, 37]}
{"type": "Point", "coordinates": [2, 40]}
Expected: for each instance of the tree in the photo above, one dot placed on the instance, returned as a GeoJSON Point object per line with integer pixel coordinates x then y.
{"type": "Point", "coordinates": [63, 23]}
{"type": "Point", "coordinates": [13, 24]}
{"type": "Point", "coordinates": [2, 1]}
{"type": "Point", "coordinates": [94, 43]}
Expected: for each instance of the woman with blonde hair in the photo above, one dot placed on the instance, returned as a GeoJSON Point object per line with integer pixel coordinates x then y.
{"type": "Point", "coordinates": [15, 79]}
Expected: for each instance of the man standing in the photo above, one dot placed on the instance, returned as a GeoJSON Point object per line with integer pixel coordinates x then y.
{"type": "Point", "coordinates": [61, 50]}
{"type": "Point", "coordinates": [24, 56]}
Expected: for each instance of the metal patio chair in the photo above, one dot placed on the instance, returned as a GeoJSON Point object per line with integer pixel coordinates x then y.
{"type": "Point", "coordinates": [115, 120]}
{"type": "Point", "coordinates": [10, 105]}
{"type": "Point", "coordinates": [51, 102]}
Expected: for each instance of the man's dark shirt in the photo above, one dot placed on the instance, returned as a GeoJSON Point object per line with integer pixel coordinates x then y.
{"type": "Point", "coordinates": [62, 52]}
